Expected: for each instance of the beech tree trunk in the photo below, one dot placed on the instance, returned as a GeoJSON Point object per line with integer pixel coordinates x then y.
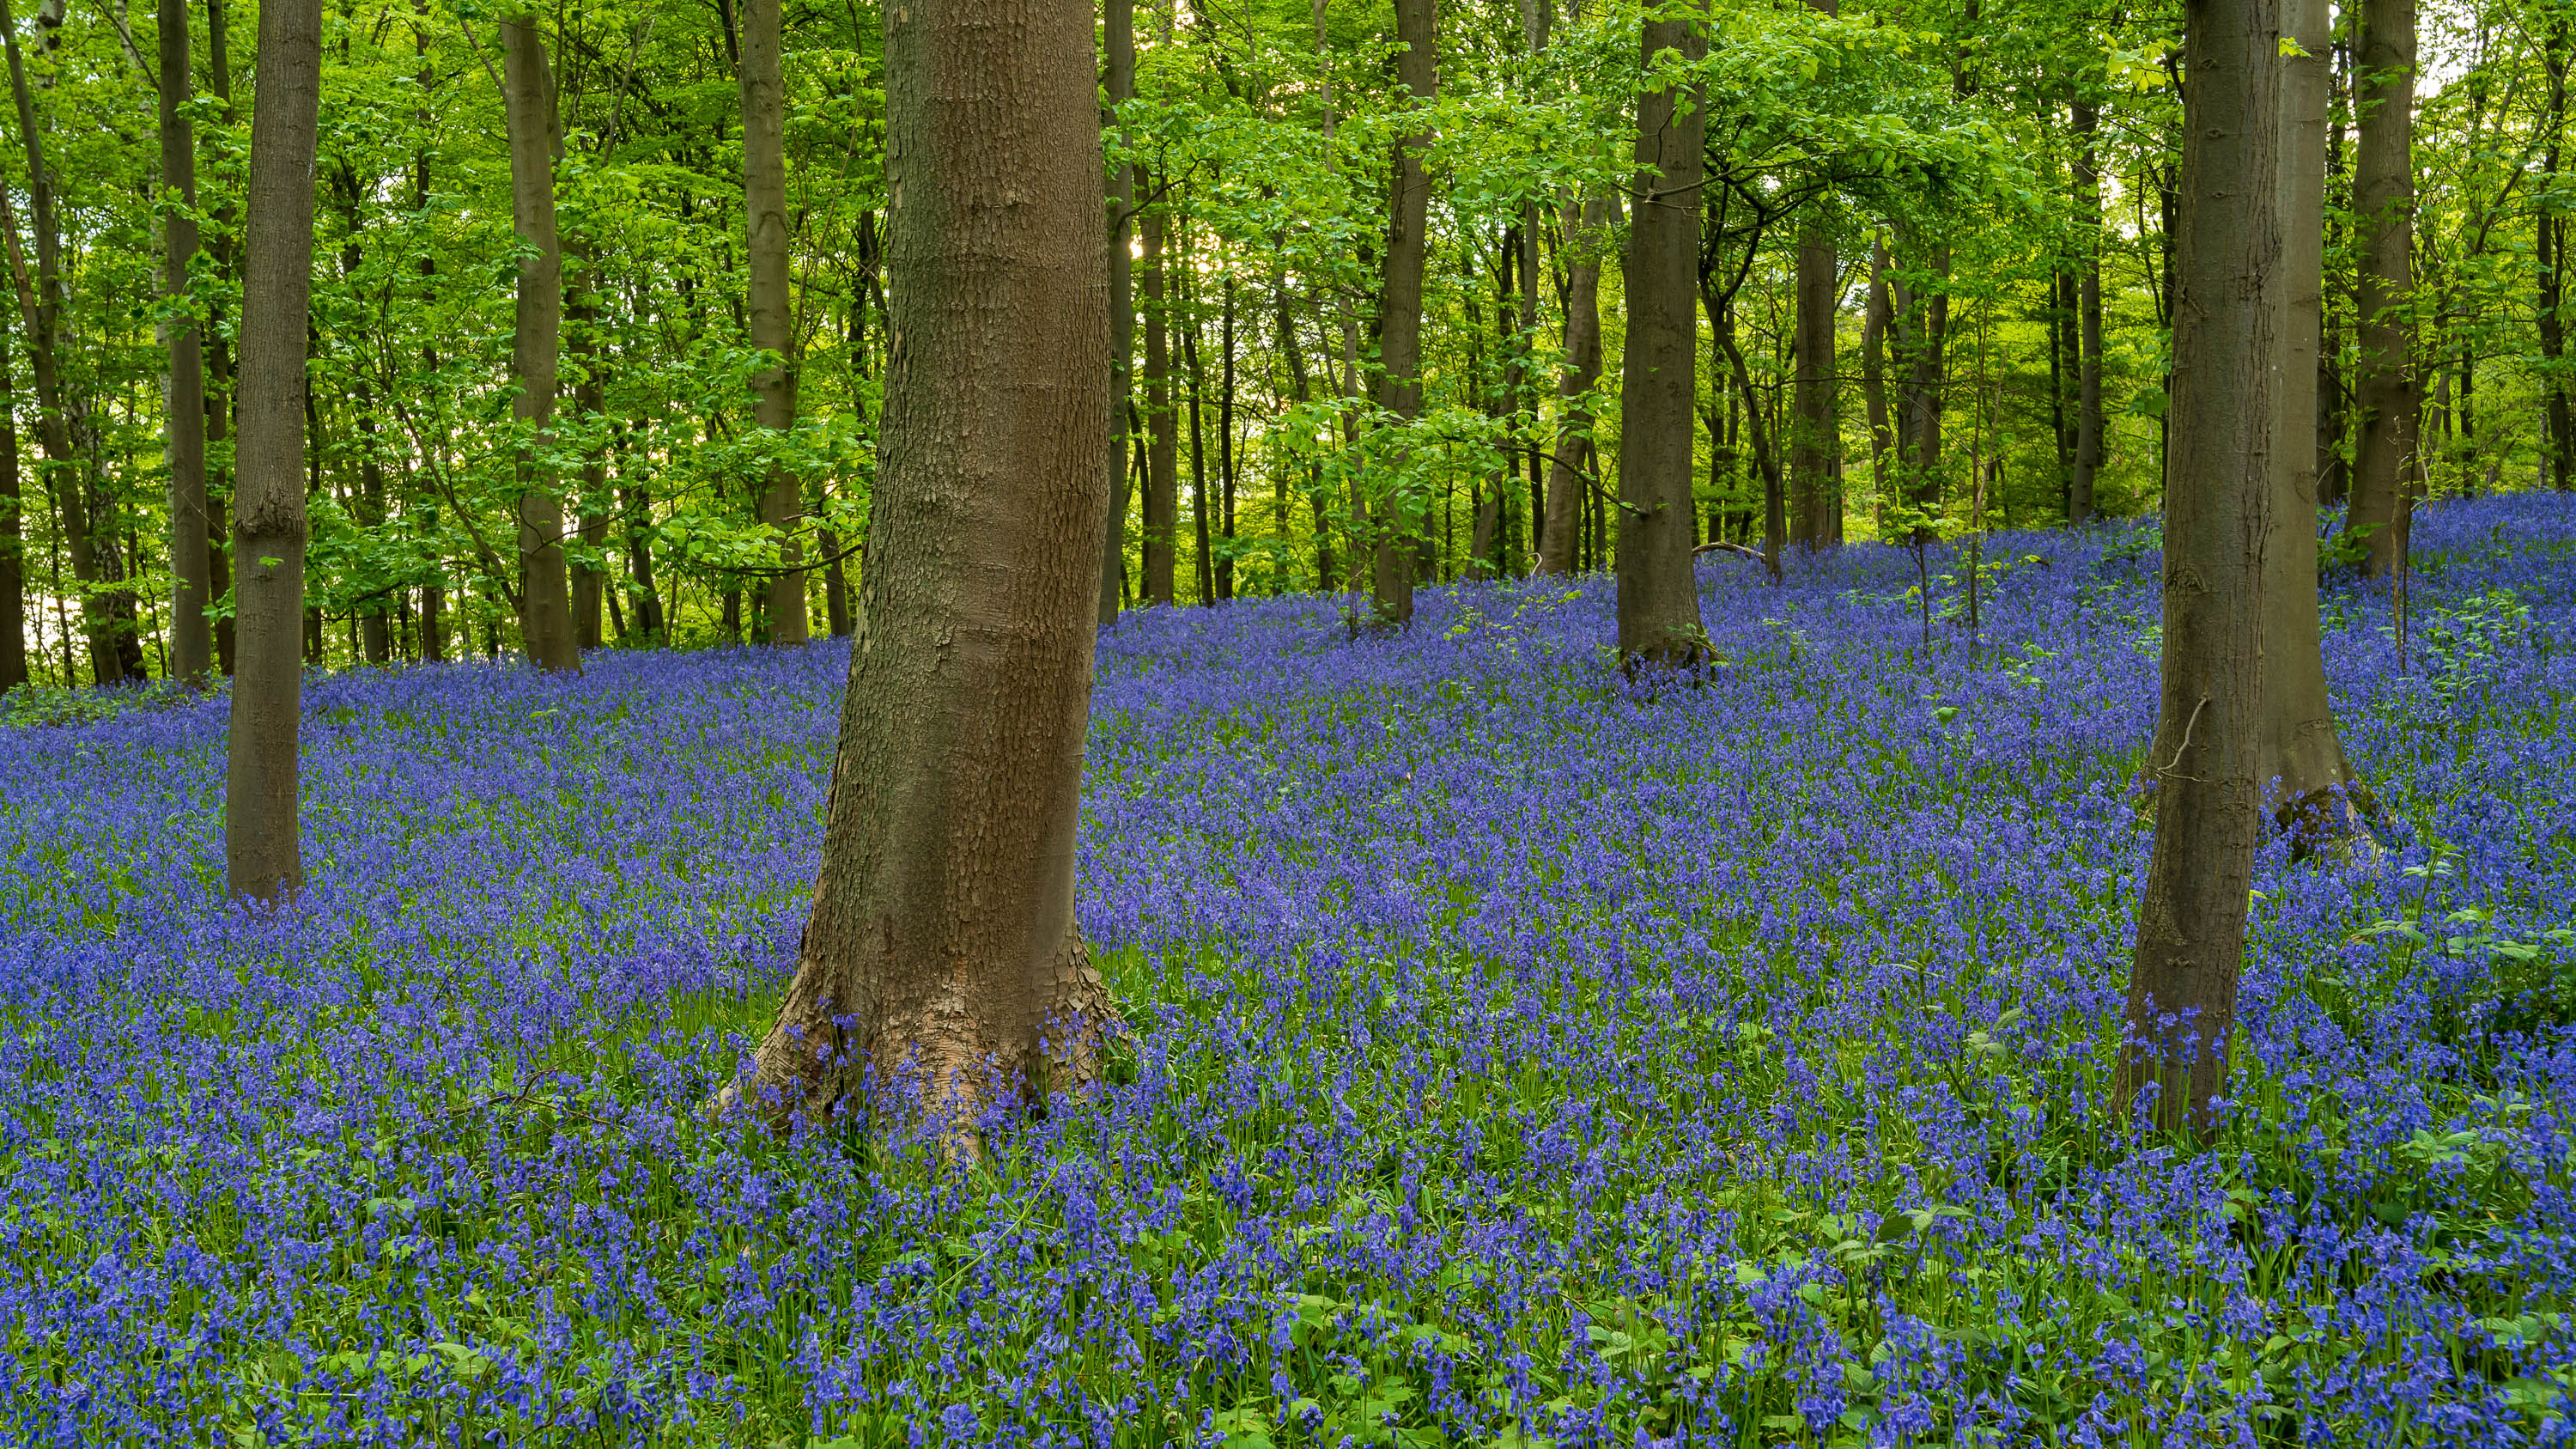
{"type": "Point", "coordinates": [1119, 39]}
{"type": "Point", "coordinates": [1813, 440]}
{"type": "Point", "coordinates": [942, 944]}
{"type": "Point", "coordinates": [545, 600]}
{"type": "Point", "coordinates": [764, 210]}
{"type": "Point", "coordinates": [1659, 618]}
{"type": "Point", "coordinates": [1396, 521]}
{"type": "Point", "coordinates": [263, 850]}
{"type": "Point", "coordinates": [2228, 322]}
{"type": "Point", "coordinates": [2088, 318]}
{"type": "Point", "coordinates": [184, 416]}
{"type": "Point", "coordinates": [1570, 461]}
{"type": "Point", "coordinates": [2384, 464]}
{"type": "Point", "coordinates": [2299, 755]}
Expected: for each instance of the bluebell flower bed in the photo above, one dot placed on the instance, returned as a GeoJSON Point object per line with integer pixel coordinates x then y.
{"type": "Point", "coordinates": [1523, 1056]}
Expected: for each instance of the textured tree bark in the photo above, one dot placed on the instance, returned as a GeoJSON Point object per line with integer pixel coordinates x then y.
{"type": "Point", "coordinates": [545, 602]}
{"type": "Point", "coordinates": [2228, 321]}
{"type": "Point", "coordinates": [263, 850]}
{"type": "Point", "coordinates": [184, 427]}
{"type": "Point", "coordinates": [1812, 448]}
{"type": "Point", "coordinates": [764, 209]}
{"type": "Point", "coordinates": [1659, 618]}
{"type": "Point", "coordinates": [2299, 757]}
{"type": "Point", "coordinates": [1396, 521]}
{"type": "Point", "coordinates": [2384, 223]}
{"type": "Point", "coordinates": [942, 953]}
{"type": "Point", "coordinates": [1561, 522]}
{"type": "Point", "coordinates": [1119, 40]}
{"type": "Point", "coordinates": [2088, 311]}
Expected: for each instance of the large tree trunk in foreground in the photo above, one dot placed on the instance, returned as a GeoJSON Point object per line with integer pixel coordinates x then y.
{"type": "Point", "coordinates": [1119, 39]}
{"type": "Point", "coordinates": [2228, 321]}
{"type": "Point", "coordinates": [1561, 522]}
{"type": "Point", "coordinates": [545, 593]}
{"type": "Point", "coordinates": [943, 946]}
{"type": "Point", "coordinates": [184, 417]}
{"type": "Point", "coordinates": [263, 856]}
{"type": "Point", "coordinates": [1395, 522]}
{"type": "Point", "coordinates": [764, 209]}
{"type": "Point", "coordinates": [2384, 219]}
{"type": "Point", "coordinates": [2299, 756]}
{"type": "Point", "coordinates": [1659, 619]}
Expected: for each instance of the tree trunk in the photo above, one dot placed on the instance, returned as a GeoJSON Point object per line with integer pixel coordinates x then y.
{"type": "Point", "coordinates": [1397, 522]}
{"type": "Point", "coordinates": [942, 944]}
{"type": "Point", "coordinates": [2384, 210]}
{"type": "Point", "coordinates": [2299, 756]}
{"type": "Point", "coordinates": [1922, 328]}
{"type": "Point", "coordinates": [1873, 378]}
{"type": "Point", "coordinates": [1199, 503]}
{"type": "Point", "coordinates": [1774, 491]}
{"type": "Point", "coordinates": [2550, 236]}
{"type": "Point", "coordinates": [1812, 446]}
{"type": "Point", "coordinates": [191, 639]}
{"type": "Point", "coordinates": [764, 209]}
{"type": "Point", "coordinates": [545, 603]}
{"type": "Point", "coordinates": [1162, 436]}
{"type": "Point", "coordinates": [2088, 309]}
{"type": "Point", "coordinates": [263, 856]}
{"type": "Point", "coordinates": [1119, 38]}
{"type": "Point", "coordinates": [1659, 618]}
{"type": "Point", "coordinates": [1561, 522]}
{"type": "Point", "coordinates": [2228, 320]}
{"type": "Point", "coordinates": [13, 533]}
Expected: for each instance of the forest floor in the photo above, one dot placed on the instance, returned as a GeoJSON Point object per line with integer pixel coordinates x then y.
{"type": "Point", "coordinates": [1524, 1057]}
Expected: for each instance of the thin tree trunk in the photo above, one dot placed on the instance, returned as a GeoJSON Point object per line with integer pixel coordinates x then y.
{"type": "Point", "coordinates": [263, 857]}
{"type": "Point", "coordinates": [1199, 504]}
{"type": "Point", "coordinates": [2550, 229]}
{"type": "Point", "coordinates": [545, 603]}
{"type": "Point", "coordinates": [942, 944]}
{"type": "Point", "coordinates": [1659, 617]}
{"type": "Point", "coordinates": [1561, 522]}
{"type": "Point", "coordinates": [1162, 440]}
{"type": "Point", "coordinates": [13, 532]}
{"type": "Point", "coordinates": [1812, 444]}
{"type": "Point", "coordinates": [764, 207]}
{"type": "Point", "coordinates": [2384, 210]}
{"type": "Point", "coordinates": [1119, 32]}
{"type": "Point", "coordinates": [2299, 756]}
{"type": "Point", "coordinates": [184, 415]}
{"type": "Point", "coordinates": [218, 357]}
{"type": "Point", "coordinates": [2228, 325]}
{"type": "Point", "coordinates": [2088, 307]}
{"type": "Point", "coordinates": [1225, 444]}
{"type": "Point", "coordinates": [1873, 377]}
